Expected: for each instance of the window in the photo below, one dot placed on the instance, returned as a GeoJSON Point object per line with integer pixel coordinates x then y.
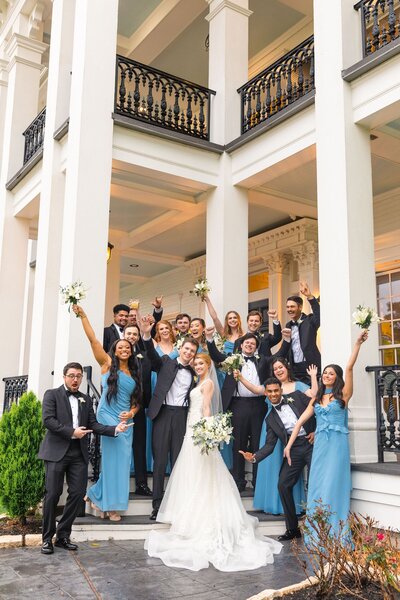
{"type": "Point", "coordinates": [388, 292]}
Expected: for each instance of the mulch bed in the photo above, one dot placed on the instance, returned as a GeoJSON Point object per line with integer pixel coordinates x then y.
{"type": "Point", "coordinates": [14, 527]}
{"type": "Point", "coordinates": [368, 592]}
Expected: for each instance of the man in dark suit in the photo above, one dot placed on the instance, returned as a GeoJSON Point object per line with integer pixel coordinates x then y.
{"type": "Point", "coordinates": [168, 406]}
{"type": "Point", "coordinates": [157, 315]}
{"type": "Point", "coordinates": [248, 408]}
{"type": "Point", "coordinates": [68, 417]}
{"type": "Point", "coordinates": [302, 350]}
{"type": "Point", "coordinates": [280, 423]}
{"type": "Point", "coordinates": [116, 331]}
{"type": "Point", "coordinates": [267, 340]}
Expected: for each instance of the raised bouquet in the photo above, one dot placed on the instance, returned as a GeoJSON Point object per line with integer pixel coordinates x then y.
{"type": "Point", "coordinates": [234, 362]}
{"type": "Point", "coordinates": [210, 432]}
{"type": "Point", "coordinates": [73, 293]}
{"type": "Point", "coordinates": [201, 288]}
{"type": "Point", "coordinates": [365, 316]}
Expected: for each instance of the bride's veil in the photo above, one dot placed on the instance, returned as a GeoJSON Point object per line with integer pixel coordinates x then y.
{"type": "Point", "coordinates": [216, 400]}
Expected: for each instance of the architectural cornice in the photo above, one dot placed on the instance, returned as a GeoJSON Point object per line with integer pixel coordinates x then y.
{"type": "Point", "coordinates": [227, 4]}
{"type": "Point", "coordinates": [299, 228]}
{"type": "Point", "coordinates": [19, 42]}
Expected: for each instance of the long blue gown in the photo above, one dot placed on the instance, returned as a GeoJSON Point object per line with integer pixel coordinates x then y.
{"type": "Point", "coordinates": [226, 449]}
{"type": "Point", "coordinates": [111, 491]}
{"type": "Point", "coordinates": [149, 424]}
{"type": "Point", "coordinates": [330, 474]}
{"type": "Point", "coordinates": [266, 495]}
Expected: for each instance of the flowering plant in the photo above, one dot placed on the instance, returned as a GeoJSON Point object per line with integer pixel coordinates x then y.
{"type": "Point", "coordinates": [210, 432]}
{"type": "Point", "coordinates": [201, 288]}
{"type": "Point", "coordinates": [234, 362]}
{"type": "Point", "coordinates": [73, 293]}
{"type": "Point", "coordinates": [365, 316]}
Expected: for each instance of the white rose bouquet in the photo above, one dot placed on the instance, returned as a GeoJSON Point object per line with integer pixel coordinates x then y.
{"type": "Point", "coordinates": [234, 362]}
{"type": "Point", "coordinates": [73, 293]}
{"type": "Point", "coordinates": [365, 316]}
{"type": "Point", "coordinates": [219, 341]}
{"type": "Point", "coordinates": [210, 432]}
{"type": "Point", "coordinates": [201, 288]}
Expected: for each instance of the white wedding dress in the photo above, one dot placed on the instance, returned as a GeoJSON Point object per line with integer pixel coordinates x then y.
{"type": "Point", "coordinates": [208, 521]}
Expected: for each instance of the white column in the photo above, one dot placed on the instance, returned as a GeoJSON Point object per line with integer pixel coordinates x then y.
{"type": "Point", "coordinates": [112, 286]}
{"type": "Point", "coordinates": [277, 264]}
{"type": "Point", "coordinates": [3, 100]}
{"type": "Point", "coordinates": [24, 66]}
{"type": "Point", "coordinates": [228, 65]}
{"type": "Point", "coordinates": [89, 163]}
{"type": "Point", "coordinates": [345, 214]}
{"type": "Point", "coordinates": [306, 256]}
{"type": "Point", "coordinates": [46, 298]}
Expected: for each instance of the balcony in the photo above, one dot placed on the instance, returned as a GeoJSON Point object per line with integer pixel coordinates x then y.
{"type": "Point", "coordinates": [278, 86]}
{"type": "Point", "coordinates": [380, 22]}
{"type": "Point", "coordinates": [34, 136]}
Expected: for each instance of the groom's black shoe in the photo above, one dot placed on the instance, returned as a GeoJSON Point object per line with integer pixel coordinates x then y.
{"type": "Point", "coordinates": [154, 514]}
{"type": "Point", "coordinates": [47, 547]}
{"type": "Point", "coordinates": [66, 544]}
{"type": "Point", "coordinates": [290, 534]}
{"type": "Point", "coordinates": [143, 490]}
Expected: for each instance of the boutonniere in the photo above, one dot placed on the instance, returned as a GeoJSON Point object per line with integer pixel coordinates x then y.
{"type": "Point", "coordinates": [139, 356]}
{"type": "Point", "coordinates": [82, 400]}
{"type": "Point", "coordinates": [289, 400]}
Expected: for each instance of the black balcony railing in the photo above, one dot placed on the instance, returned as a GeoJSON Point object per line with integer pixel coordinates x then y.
{"type": "Point", "coordinates": [34, 135]}
{"type": "Point", "coordinates": [387, 394]}
{"type": "Point", "coordinates": [152, 96]}
{"type": "Point", "coordinates": [14, 387]}
{"type": "Point", "coordinates": [380, 22]}
{"type": "Point", "coordinates": [94, 439]}
{"type": "Point", "coordinates": [278, 86]}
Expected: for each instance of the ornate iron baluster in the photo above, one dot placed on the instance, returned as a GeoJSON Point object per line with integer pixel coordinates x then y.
{"type": "Point", "coordinates": [94, 439]}
{"type": "Point", "coordinates": [387, 393]}
{"type": "Point", "coordinates": [384, 15]}
{"type": "Point", "coordinates": [34, 135]}
{"type": "Point", "coordinates": [14, 387]}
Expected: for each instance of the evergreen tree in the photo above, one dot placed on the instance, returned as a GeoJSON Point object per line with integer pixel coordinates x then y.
{"type": "Point", "coordinates": [21, 472]}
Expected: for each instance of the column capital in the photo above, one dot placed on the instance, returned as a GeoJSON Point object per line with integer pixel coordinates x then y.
{"type": "Point", "coordinates": [306, 255]}
{"type": "Point", "coordinates": [197, 266]}
{"type": "Point", "coordinates": [216, 6]}
{"type": "Point", "coordinates": [3, 72]}
{"type": "Point", "coordinates": [21, 48]}
{"type": "Point", "coordinates": [277, 262]}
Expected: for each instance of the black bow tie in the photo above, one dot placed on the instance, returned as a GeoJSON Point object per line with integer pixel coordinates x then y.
{"type": "Point", "coordinates": [251, 359]}
{"type": "Point", "coordinates": [283, 402]}
{"type": "Point", "coordinates": [121, 329]}
{"type": "Point", "coordinates": [187, 367]}
{"type": "Point", "coordinates": [75, 394]}
{"type": "Point", "coordinates": [295, 323]}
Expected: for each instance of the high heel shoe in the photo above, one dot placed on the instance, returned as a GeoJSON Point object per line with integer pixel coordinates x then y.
{"type": "Point", "coordinates": [114, 516]}
{"type": "Point", "coordinates": [95, 508]}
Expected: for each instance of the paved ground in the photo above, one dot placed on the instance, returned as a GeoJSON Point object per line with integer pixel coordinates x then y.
{"type": "Point", "coordinates": [122, 570]}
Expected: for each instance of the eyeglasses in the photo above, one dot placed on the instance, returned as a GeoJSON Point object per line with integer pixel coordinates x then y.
{"type": "Point", "coordinates": [70, 376]}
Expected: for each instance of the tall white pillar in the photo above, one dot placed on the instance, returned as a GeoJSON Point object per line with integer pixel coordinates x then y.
{"type": "Point", "coordinates": [3, 100]}
{"type": "Point", "coordinates": [88, 176]}
{"type": "Point", "coordinates": [24, 67]}
{"type": "Point", "coordinates": [112, 286]}
{"type": "Point", "coordinates": [306, 256]}
{"type": "Point", "coordinates": [277, 264]}
{"type": "Point", "coordinates": [345, 214]}
{"type": "Point", "coordinates": [46, 297]}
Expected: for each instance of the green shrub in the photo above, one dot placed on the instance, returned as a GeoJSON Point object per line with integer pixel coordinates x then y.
{"type": "Point", "coordinates": [21, 472]}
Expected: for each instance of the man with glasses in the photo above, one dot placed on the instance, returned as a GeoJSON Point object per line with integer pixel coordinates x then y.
{"type": "Point", "coordinates": [68, 417]}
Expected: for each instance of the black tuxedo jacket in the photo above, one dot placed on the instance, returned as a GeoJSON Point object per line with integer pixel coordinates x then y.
{"type": "Point", "coordinates": [230, 383]}
{"type": "Point", "coordinates": [166, 368]}
{"type": "Point", "coordinates": [57, 418]}
{"type": "Point", "coordinates": [144, 368]}
{"type": "Point", "coordinates": [308, 336]}
{"type": "Point", "coordinates": [267, 341]}
{"type": "Point", "coordinates": [110, 334]}
{"type": "Point", "coordinates": [275, 428]}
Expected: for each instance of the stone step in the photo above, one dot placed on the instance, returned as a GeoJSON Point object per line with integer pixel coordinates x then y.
{"type": "Point", "coordinates": [91, 528]}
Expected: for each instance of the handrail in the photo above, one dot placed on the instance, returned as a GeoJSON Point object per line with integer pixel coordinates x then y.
{"type": "Point", "coordinates": [14, 388]}
{"type": "Point", "coordinates": [94, 438]}
{"type": "Point", "coordinates": [380, 23]}
{"type": "Point", "coordinates": [387, 403]}
{"type": "Point", "coordinates": [34, 135]}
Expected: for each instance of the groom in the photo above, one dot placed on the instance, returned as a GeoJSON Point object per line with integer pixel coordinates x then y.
{"type": "Point", "coordinates": [281, 421]}
{"type": "Point", "coordinates": [168, 406]}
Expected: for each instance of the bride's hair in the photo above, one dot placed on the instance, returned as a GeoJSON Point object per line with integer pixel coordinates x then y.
{"type": "Point", "coordinates": [204, 357]}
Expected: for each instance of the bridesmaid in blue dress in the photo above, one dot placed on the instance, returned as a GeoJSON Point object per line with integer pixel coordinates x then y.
{"type": "Point", "coordinates": [266, 494]}
{"type": "Point", "coordinates": [119, 401]}
{"type": "Point", "coordinates": [330, 474]}
{"type": "Point", "coordinates": [230, 331]}
{"type": "Point", "coordinates": [164, 343]}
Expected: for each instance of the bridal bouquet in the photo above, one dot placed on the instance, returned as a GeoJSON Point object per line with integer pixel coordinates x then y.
{"type": "Point", "coordinates": [210, 432]}
{"type": "Point", "coordinates": [219, 341]}
{"type": "Point", "coordinates": [73, 293]}
{"type": "Point", "coordinates": [365, 316]}
{"type": "Point", "coordinates": [234, 362]}
{"type": "Point", "coordinates": [201, 288]}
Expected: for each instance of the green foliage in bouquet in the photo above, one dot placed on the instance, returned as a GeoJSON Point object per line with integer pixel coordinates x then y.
{"type": "Point", "coordinates": [21, 472]}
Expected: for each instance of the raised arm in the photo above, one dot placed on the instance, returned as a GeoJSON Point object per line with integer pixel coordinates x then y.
{"type": "Point", "coordinates": [348, 386]}
{"type": "Point", "coordinates": [145, 326]}
{"type": "Point", "coordinates": [99, 353]}
{"type": "Point", "coordinates": [213, 314]}
{"type": "Point", "coordinates": [313, 372]}
{"type": "Point", "coordinates": [276, 336]}
{"type": "Point", "coordinates": [259, 390]}
{"type": "Point", "coordinates": [207, 390]}
{"type": "Point", "coordinates": [307, 414]}
{"type": "Point", "coordinates": [215, 354]}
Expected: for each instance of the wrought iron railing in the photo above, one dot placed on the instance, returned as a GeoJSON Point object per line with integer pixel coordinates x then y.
{"type": "Point", "coordinates": [387, 394]}
{"type": "Point", "coordinates": [152, 96]}
{"type": "Point", "coordinates": [34, 135]}
{"type": "Point", "coordinates": [380, 22]}
{"type": "Point", "coordinates": [94, 439]}
{"type": "Point", "coordinates": [279, 85]}
{"type": "Point", "coordinates": [14, 387]}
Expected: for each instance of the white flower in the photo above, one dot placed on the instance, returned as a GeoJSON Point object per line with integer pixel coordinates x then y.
{"type": "Point", "coordinates": [201, 288]}
{"type": "Point", "coordinates": [139, 355]}
{"type": "Point", "coordinates": [82, 400]}
{"type": "Point", "coordinates": [289, 400]}
{"type": "Point", "coordinates": [364, 316]}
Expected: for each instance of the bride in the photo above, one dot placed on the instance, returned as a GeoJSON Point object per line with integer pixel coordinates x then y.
{"type": "Point", "coordinates": [208, 521]}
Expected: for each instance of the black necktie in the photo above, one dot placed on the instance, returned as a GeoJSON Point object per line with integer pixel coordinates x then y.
{"type": "Point", "coordinates": [281, 403]}
{"type": "Point", "coordinates": [250, 358]}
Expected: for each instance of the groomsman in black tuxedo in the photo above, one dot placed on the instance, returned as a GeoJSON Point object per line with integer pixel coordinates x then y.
{"type": "Point", "coordinates": [116, 331]}
{"type": "Point", "coordinates": [248, 409]}
{"type": "Point", "coordinates": [157, 316]}
{"type": "Point", "coordinates": [280, 423]}
{"type": "Point", "coordinates": [302, 350]}
{"type": "Point", "coordinates": [267, 340]}
{"type": "Point", "coordinates": [68, 417]}
{"type": "Point", "coordinates": [168, 406]}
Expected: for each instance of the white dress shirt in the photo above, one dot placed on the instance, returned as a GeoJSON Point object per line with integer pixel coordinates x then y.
{"type": "Point", "coordinates": [298, 355]}
{"type": "Point", "coordinates": [289, 419]}
{"type": "Point", "coordinates": [176, 396]}
{"type": "Point", "coordinates": [73, 401]}
{"type": "Point", "coordinates": [249, 372]}
{"type": "Point", "coordinates": [120, 333]}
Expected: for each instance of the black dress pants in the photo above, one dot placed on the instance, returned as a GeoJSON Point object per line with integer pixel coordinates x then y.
{"type": "Point", "coordinates": [248, 414]}
{"type": "Point", "coordinates": [139, 447]}
{"type": "Point", "coordinates": [169, 429]}
{"type": "Point", "coordinates": [74, 467]}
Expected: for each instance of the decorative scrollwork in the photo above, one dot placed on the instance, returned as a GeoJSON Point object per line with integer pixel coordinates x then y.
{"type": "Point", "coordinates": [14, 387]}
{"type": "Point", "coordinates": [155, 97]}
{"type": "Point", "coordinates": [387, 386]}
{"type": "Point", "coordinates": [278, 86]}
{"type": "Point", "coordinates": [94, 438]}
{"type": "Point", "coordinates": [34, 135]}
{"type": "Point", "coordinates": [380, 21]}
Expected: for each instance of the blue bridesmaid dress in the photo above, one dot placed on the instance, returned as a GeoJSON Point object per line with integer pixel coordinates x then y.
{"type": "Point", "coordinates": [226, 449]}
{"type": "Point", "coordinates": [330, 473]}
{"type": "Point", "coordinates": [111, 491]}
{"type": "Point", "coordinates": [266, 494]}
